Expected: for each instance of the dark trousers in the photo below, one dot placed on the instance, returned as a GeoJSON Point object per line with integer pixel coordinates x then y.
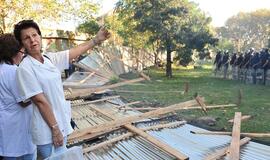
{"type": "Point", "coordinates": [264, 76]}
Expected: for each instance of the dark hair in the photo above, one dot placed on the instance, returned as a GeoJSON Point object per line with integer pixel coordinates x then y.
{"type": "Point", "coordinates": [24, 24]}
{"type": "Point", "coordinates": [9, 48]}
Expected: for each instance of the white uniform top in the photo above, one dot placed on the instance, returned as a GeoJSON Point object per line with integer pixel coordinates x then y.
{"type": "Point", "coordinates": [34, 78]}
{"type": "Point", "coordinates": [15, 121]}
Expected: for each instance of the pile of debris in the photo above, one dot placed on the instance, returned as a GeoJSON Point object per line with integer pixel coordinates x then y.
{"type": "Point", "coordinates": [109, 128]}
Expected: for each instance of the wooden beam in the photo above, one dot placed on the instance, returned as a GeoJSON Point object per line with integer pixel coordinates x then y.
{"type": "Point", "coordinates": [234, 149]}
{"type": "Point", "coordinates": [88, 69]}
{"type": "Point", "coordinates": [243, 118]}
{"type": "Point", "coordinates": [86, 78]}
{"type": "Point", "coordinates": [128, 104]}
{"type": "Point", "coordinates": [148, 137]}
{"type": "Point", "coordinates": [126, 120]}
{"type": "Point", "coordinates": [91, 136]}
{"type": "Point", "coordinates": [201, 103]}
{"type": "Point", "coordinates": [95, 101]}
{"type": "Point", "coordinates": [129, 134]}
{"type": "Point", "coordinates": [157, 142]}
{"type": "Point", "coordinates": [240, 97]}
{"type": "Point", "coordinates": [187, 108]}
{"type": "Point", "coordinates": [152, 92]}
{"type": "Point", "coordinates": [85, 92]}
{"type": "Point", "coordinates": [222, 152]}
{"type": "Point", "coordinates": [255, 135]}
{"type": "Point", "coordinates": [186, 87]}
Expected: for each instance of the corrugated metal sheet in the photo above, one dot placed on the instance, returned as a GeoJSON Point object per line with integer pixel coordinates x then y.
{"type": "Point", "coordinates": [195, 146]}
{"type": "Point", "coordinates": [84, 78]}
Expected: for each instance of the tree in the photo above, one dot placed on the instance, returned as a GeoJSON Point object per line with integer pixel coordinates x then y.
{"type": "Point", "coordinates": [11, 11]}
{"type": "Point", "coordinates": [124, 33]}
{"type": "Point", "coordinates": [90, 27]}
{"type": "Point", "coordinates": [170, 23]}
{"type": "Point", "coordinates": [247, 30]}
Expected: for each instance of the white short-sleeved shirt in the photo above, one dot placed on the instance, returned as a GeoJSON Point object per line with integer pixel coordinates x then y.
{"type": "Point", "coordinates": [35, 77]}
{"type": "Point", "coordinates": [15, 121]}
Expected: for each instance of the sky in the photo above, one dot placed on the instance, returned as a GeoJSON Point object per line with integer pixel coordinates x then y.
{"type": "Point", "coordinates": [219, 10]}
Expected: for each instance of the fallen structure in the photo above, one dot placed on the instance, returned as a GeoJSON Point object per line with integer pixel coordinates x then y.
{"type": "Point", "coordinates": [109, 128]}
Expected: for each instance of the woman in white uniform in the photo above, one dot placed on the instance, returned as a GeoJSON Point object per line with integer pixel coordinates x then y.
{"type": "Point", "coordinates": [15, 116]}
{"type": "Point", "coordinates": [39, 78]}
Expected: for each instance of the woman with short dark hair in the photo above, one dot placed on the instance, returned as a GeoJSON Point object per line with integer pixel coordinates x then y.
{"type": "Point", "coordinates": [15, 116]}
{"type": "Point", "coordinates": [39, 78]}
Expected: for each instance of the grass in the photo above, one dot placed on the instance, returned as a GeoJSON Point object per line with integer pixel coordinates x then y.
{"type": "Point", "coordinates": [255, 100]}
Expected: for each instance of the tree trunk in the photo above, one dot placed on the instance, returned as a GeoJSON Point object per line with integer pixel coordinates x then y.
{"type": "Point", "coordinates": [169, 63]}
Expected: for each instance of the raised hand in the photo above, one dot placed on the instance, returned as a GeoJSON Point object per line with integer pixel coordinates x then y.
{"type": "Point", "coordinates": [102, 35]}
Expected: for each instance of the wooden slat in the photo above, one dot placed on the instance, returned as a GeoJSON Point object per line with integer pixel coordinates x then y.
{"type": "Point", "coordinates": [129, 134]}
{"type": "Point", "coordinates": [157, 142]}
{"type": "Point", "coordinates": [86, 78]}
{"type": "Point", "coordinates": [128, 104]}
{"type": "Point", "coordinates": [243, 118]}
{"type": "Point", "coordinates": [148, 137]}
{"type": "Point", "coordinates": [152, 92]}
{"type": "Point", "coordinates": [255, 135]}
{"type": "Point", "coordinates": [85, 92]}
{"type": "Point", "coordinates": [187, 108]}
{"type": "Point", "coordinates": [201, 103]}
{"type": "Point", "coordinates": [126, 120]}
{"type": "Point", "coordinates": [222, 152]}
{"type": "Point", "coordinates": [91, 70]}
{"type": "Point", "coordinates": [234, 149]}
{"type": "Point", "coordinates": [95, 101]}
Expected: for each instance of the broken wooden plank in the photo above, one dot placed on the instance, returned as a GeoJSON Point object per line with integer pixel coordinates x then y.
{"type": "Point", "coordinates": [201, 103]}
{"type": "Point", "coordinates": [96, 101]}
{"type": "Point", "coordinates": [126, 120]}
{"type": "Point", "coordinates": [240, 97]}
{"type": "Point", "coordinates": [234, 149]}
{"type": "Point", "coordinates": [243, 118]}
{"type": "Point", "coordinates": [186, 86]}
{"type": "Point", "coordinates": [222, 152]}
{"type": "Point", "coordinates": [126, 105]}
{"type": "Point", "coordinates": [86, 78]}
{"type": "Point", "coordinates": [148, 137]}
{"type": "Point", "coordinates": [85, 92]}
{"type": "Point", "coordinates": [167, 125]}
{"type": "Point", "coordinates": [86, 68]}
{"type": "Point", "coordinates": [187, 108]}
{"type": "Point", "coordinates": [157, 142]}
{"type": "Point", "coordinates": [255, 135]}
{"type": "Point", "coordinates": [129, 134]}
{"type": "Point", "coordinates": [152, 92]}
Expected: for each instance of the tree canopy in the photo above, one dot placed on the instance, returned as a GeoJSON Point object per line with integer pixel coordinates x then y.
{"type": "Point", "coordinates": [175, 25]}
{"type": "Point", "coordinates": [247, 30]}
{"type": "Point", "coordinates": [12, 11]}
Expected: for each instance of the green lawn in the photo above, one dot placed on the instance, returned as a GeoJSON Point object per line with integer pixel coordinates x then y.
{"type": "Point", "coordinates": [255, 101]}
